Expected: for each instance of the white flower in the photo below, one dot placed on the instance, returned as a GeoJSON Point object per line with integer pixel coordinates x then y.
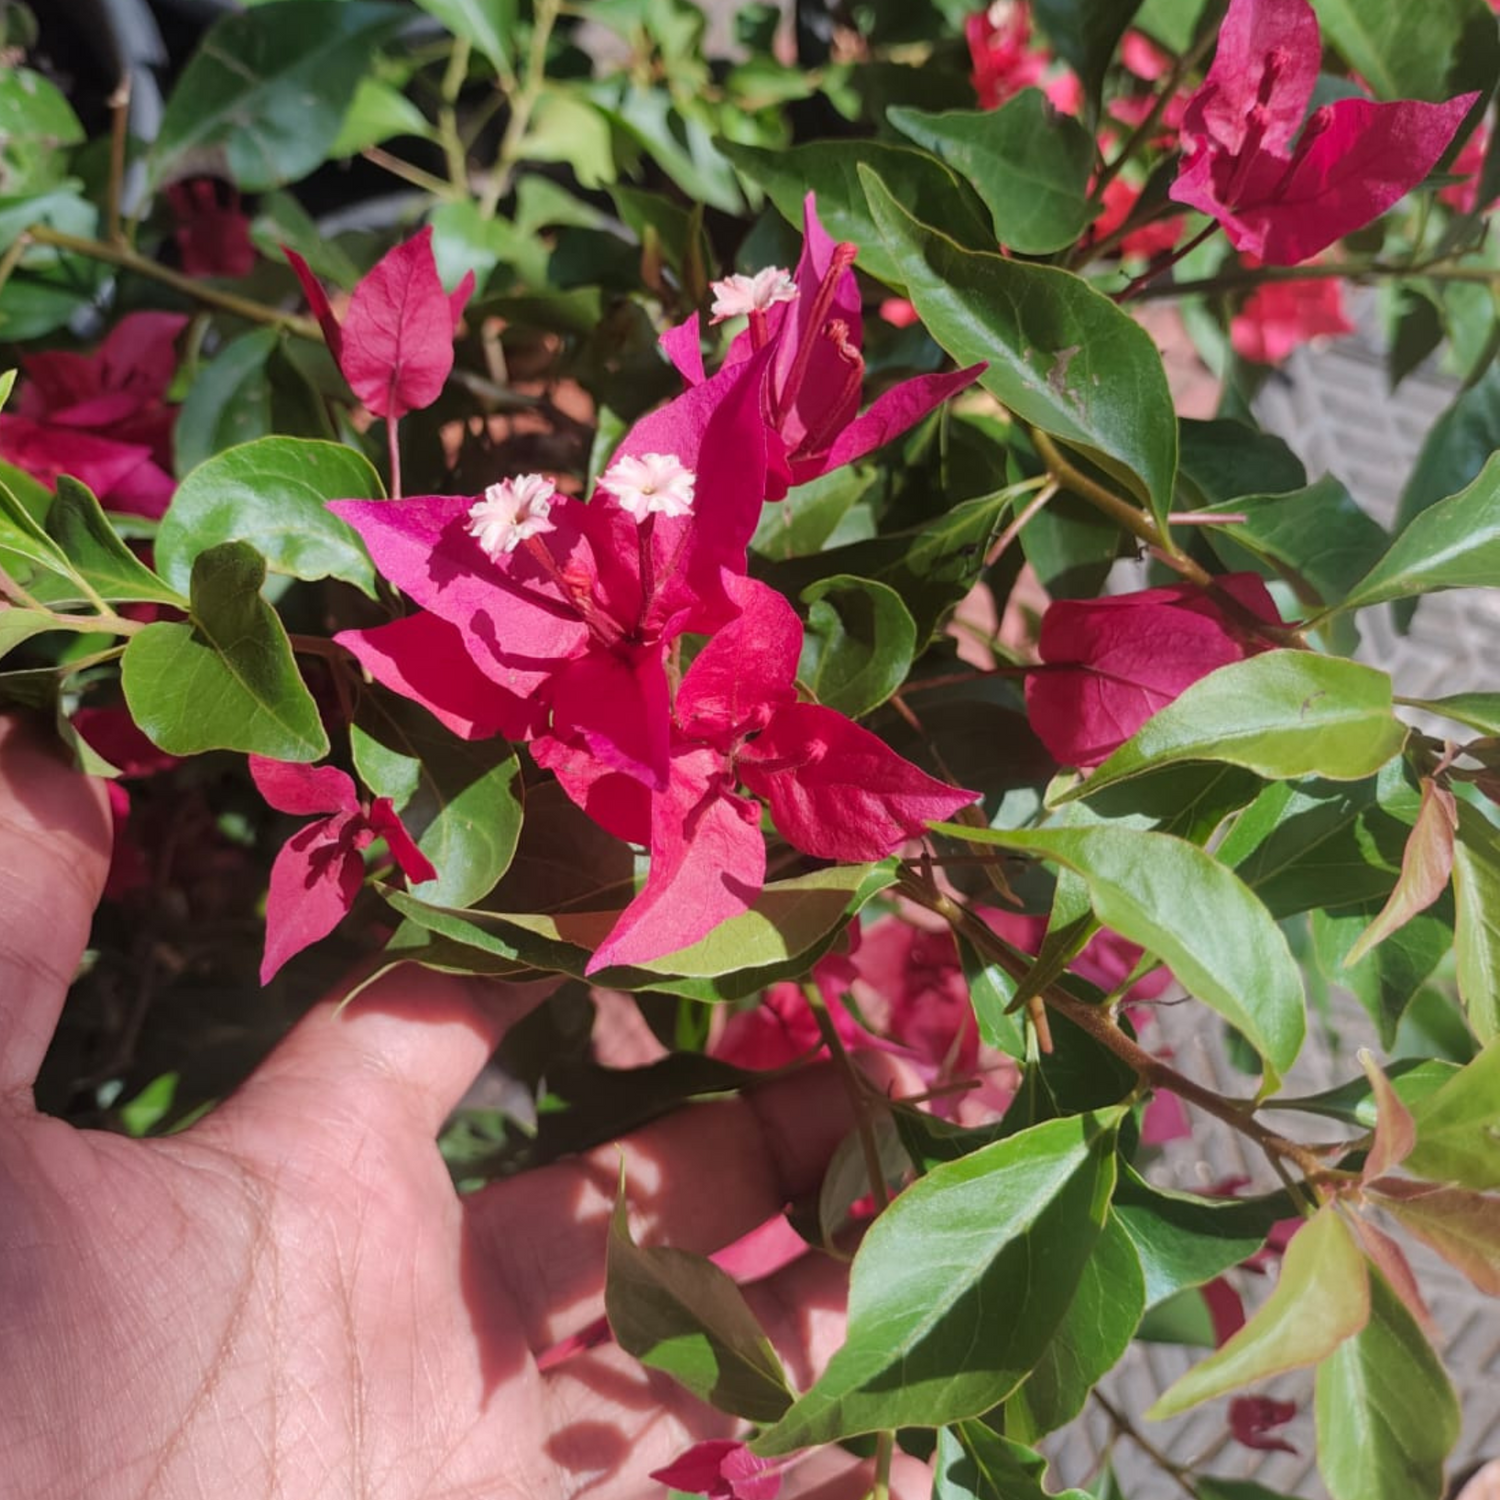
{"type": "Point", "coordinates": [510, 512]}
{"type": "Point", "coordinates": [652, 483]}
{"type": "Point", "coordinates": [736, 296]}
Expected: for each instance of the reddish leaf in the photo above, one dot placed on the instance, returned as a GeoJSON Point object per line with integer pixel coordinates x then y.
{"type": "Point", "coordinates": [1395, 1131]}
{"type": "Point", "coordinates": [1390, 1260]}
{"type": "Point", "coordinates": [1461, 1225]}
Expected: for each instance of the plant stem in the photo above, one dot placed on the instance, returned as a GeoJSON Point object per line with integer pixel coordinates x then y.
{"type": "Point", "coordinates": [453, 146]}
{"type": "Point", "coordinates": [1099, 1023]}
{"type": "Point", "coordinates": [885, 1448]}
{"type": "Point", "coordinates": [393, 448]}
{"type": "Point", "coordinates": [408, 173]}
{"type": "Point", "coordinates": [1165, 263]}
{"type": "Point", "coordinates": [12, 258]}
{"type": "Point", "coordinates": [119, 104]}
{"type": "Point", "coordinates": [1241, 277]}
{"type": "Point", "coordinates": [126, 259]}
{"type": "Point", "coordinates": [1126, 1428]}
{"type": "Point", "coordinates": [854, 1089]}
{"type": "Point", "coordinates": [522, 106]}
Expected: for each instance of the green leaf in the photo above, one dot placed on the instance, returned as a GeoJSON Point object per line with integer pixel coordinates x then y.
{"type": "Point", "coordinates": [675, 136]}
{"type": "Point", "coordinates": [1061, 355]}
{"type": "Point", "coordinates": [34, 109]}
{"type": "Point", "coordinates": [20, 625]}
{"type": "Point", "coordinates": [273, 492]}
{"type": "Point", "coordinates": [1479, 711]}
{"type": "Point", "coordinates": [1281, 714]}
{"type": "Point", "coordinates": [975, 1463]}
{"type": "Point", "coordinates": [1095, 1332]}
{"type": "Point", "coordinates": [229, 401]}
{"type": "Point", "coordinates": [1476, 934]}
{"type": "Point", "coordinates": [679, 1313]}
{"type": "Point", "coordinates": [1458, 1127]}
{"type": "Point", "coordinates": [1085, 34]}
{"type": "Point", "coordinates": [376, 113]}
{"type": "Point", "coordinates": [858, 644]}
{"type": "Point", "coordinates": [936, 1329]}
{"type": "Point", "coordinates": [1386, 1414]}
{"type": "Point", "coordinates": [815, 513]}
{"type": "Point", "coordinates": [266, 92]}
{"type": "Point", "coordinates": [1453, 544]}
{"type": "Point", "coordinates": [489, 26]}
{"type": "Point", "coordinates": [1456, 448]}
{"type": "Point", "coordinates": [1028, 163]}
{"type": "Point", "coordinates": [7, 385]}
{"type": "Point", "coordinates": [1321, 1298]}
{"type": "Point", "coordinates": [1412, 1078]}
{"type": "Point", "coordinates": [1183, 1241]}
{"type": "Point", "coordinates": [1196, 916]}
{"type": "Point", "coordinates": [83, 532]}
{"type": "Point", "coordinates": [832, 171]}
{"type": "Point", "coordinates": [1401, 54]}
{"type": "Point", "coordinates": [461, 800]}
{"type": "Point", "coordinates": [226, 681]}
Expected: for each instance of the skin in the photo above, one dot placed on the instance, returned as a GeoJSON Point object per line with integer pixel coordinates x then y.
{"type": "Point", "coordinates": [289, 1299]}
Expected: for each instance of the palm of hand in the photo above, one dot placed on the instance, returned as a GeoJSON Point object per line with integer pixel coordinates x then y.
{"type": "Point", "coordinates": [289, 1299]}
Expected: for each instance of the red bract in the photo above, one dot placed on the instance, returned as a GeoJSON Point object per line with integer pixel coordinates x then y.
{"type": "Point", "coordinates": [319, 871]}
{"type": "Point", "coordinates": [567, 609]}
{"type": "Point", "coordinates": [1150, 239]}
{"type": "Point", "coordinates": [1252, 1418]}
{"type": "Point", "coordinates": [395, 345]}
{"type": "Point", "coordinates": [101, 417]}
{"type": "Point", "coordinates": [999, 38]}
{"type": "Point", "coordinates": [811, 326]}
{"type": "Point", "coordinates": [725, 1470]}
{"type": "Point", "coordinates": [213, 236]}
{"type": "Point", "coordinates": [1353, 160]}
{"type": "Point", "coordinates": [1467, 165]}
{"type": "Point", "coordinates": [1111, 663]}
{"type": "Point", "coordinates": [835, 790]}
{"type": "Point", "coordinates": [1283, 315]}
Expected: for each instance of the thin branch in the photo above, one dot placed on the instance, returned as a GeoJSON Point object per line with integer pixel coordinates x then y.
{"type": "Point", "coordinates": [522, 106]}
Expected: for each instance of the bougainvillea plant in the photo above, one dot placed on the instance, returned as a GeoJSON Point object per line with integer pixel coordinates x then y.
{"type": "Point", "coordinates": [717, 532]}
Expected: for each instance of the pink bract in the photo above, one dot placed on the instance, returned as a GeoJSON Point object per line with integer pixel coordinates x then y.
{"type": "Point", "coordinates": [1283, 315]}
{"type": "Point", "coordinates": [1352, 161]}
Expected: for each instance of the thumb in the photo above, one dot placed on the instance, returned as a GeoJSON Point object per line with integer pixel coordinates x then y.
{"type": "Point", "coordinates": [55, 825]}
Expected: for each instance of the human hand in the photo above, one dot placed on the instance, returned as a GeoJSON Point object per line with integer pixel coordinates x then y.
{"type": "Point", "coordinates": [289, 1299]}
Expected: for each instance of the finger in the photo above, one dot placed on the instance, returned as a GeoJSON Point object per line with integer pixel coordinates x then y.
{"type": "Point", "coordinates": [698, 1179]}
{"type": "Point", "coordinates": [56, 829]}
{"type": "Point", "coordinates": [399, 1056]}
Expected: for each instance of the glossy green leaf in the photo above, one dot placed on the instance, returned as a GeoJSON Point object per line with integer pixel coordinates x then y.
{"type": "Point", "coordinates": [953, 1297]}
{"type": "Point", "coordinates": [1183, 1240]}
{"type": "Point", "coordinates": [991, 990]}
{"type": "Point", "coordinates": [1453, 544]}
{"type": "Point", "coordinates": [266, 92]}
{"type": "Point", "coordinates": [1195, 915]}
{"type": "Point", "coordinates": [1456, 448]}
{"type": "Point", "coordinates": [832, 169]}
{"type": "Point", "coordinates": [1386, 1414]}
{"type": "Point", "coordinates": [32, 108]}
{"type": "Point", "coordinates": [1401, 53]}
{"type": "Point", "coordinates": [1028, 163]}
{"type": "Point", "coordinates": [375, 114]}
{"type": "Point", "coordinates": [1061, 355]}
{"type": "Point", "coordinates": [1479, 711]}
{"type": "Point", "coordinates": [973, 1462]}
{"type": "Point", "coordinates": [1094, 1333]}
{"type": "Point", "coordinates": [227, 680]}
{"type": "Point", "coordinates": [489, 26]}
{"type": "Point", "coordinates": [1476, 935]}
{"type": "Point", "coordinates": [1413, 1079]}
{"type": "Point", "coordinates": [1458, 1127]}
{"type": "Point", "coordinates": [679, 1313]}
{"type": "Point", "coordinates": [1281, 714]}
{"type": "Point", "coordinates": [229, 401]}
{"type": "Point", "coordinates": [460, 799]}
{"type": "Point", "coordinates": [20, 625]}
{"type": "Point", "coordinates": [84, 534]}
{"type": "Point", "coordinates": [273, 492]}
{"type": "Point", "coordinates": [1085, 34]}
{"type": "Point", "coordinates": [7, 385]}
{"type": "Point", "coordinates": [1321, 1298]}
{"type": "Point", "coordinates": [858, 643]}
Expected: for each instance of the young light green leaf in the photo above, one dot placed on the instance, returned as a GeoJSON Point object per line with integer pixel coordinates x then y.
{"type": "Point", "coordinates": [1061, 355]}
{"type": "Point", "coordinates": [1030, 164]}
{"type": "Point", "coordinates": [1479, 711]}
{"type": "Point", "coordinates": [489, 26]}
{"type": "Point", "coordinates": [1458, 1127]}
{"type": "Point", "coordinates": [1196, 916]}
{"type": "Point", "coordinates": [377, 112]}
{"type": "Point", "coordinates": [679, 1313]}
{"type": "Point", "coordinates": [461, 800]}
{"type": "Point", "coordinates": [267, 90]}
{"type": "Point", "coordinates": [952, 1300]}
{"type": "Point", "coordinates": [18, 625]}
{"type": "Point", "coordinates": [1095, 1331]}
{"type": "Point", "coordinates": [1321, 1298]}
{"type": "Point", "coordinates": [832, 171]}
{"type": "Point", "coordinates": [1386, 1414]}
{"type": "Point", "coordinates": [1476, 934]}
{"type": "Point", "coordinates": [7, 385]}
{"type": "Point", "coordinates": [1454, 544]}
{"type": "Point", "coordinates": [1425, 868]}
{"type": "Point", "coordinates": [858, 644]}
{"type": "Point", "coordinates": [273, 492]}
{"type": "Point", "coordinates": [1461, 1225]}
{"type": "Point", "coordinates": [1280, 714]}
{"type": "Point", "coordinates": [227, 680]}
{"type": "Point", "coordinates": [83, 532]}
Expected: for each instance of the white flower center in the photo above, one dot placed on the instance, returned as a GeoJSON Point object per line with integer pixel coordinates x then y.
{"type": "Point", "coordinates": [737, 296]}
{"type": "Point", "coordinates": [510, 512]}
{"type": "Point", "coordinates": [651, 484]}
